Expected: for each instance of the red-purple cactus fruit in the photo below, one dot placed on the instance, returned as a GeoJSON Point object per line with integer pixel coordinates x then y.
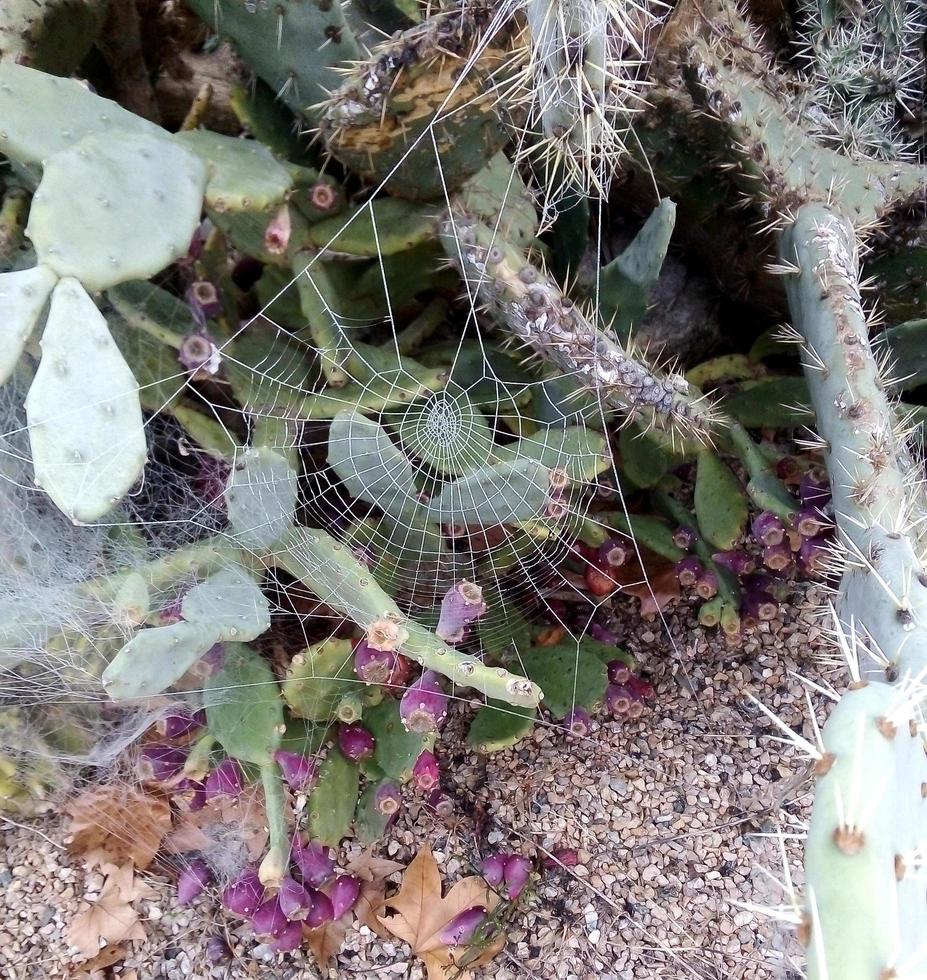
{"type": "Point", "coordinates": [193, 880]}
{"type": "Point", "coordinates": [355, 742]}
{"type": "Point", "coordinates": [423, 707]}
{"type": "Point", "coordinates": [299, 771]}
{"type": "Point", "coordinates": [462, 605]}
{"type": "Point", "coordinates": [245, 894]}
{"type": "Point", "coordinates": [426, 773]}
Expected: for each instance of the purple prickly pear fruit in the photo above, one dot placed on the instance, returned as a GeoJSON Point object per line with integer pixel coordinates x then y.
{"type": "Point", "coordinates": [344, 894]}
{"type": "Point", "coordinates": [640, 688]}
{"type": "Point", "coordinates": [809, 522]}
{"type": "Point", "coordinates": [635, 710]}
{"type": "Point", "coordinates": [462, 605]}
{"type": "Point", "coordinates": [564, 857]}
{"type": "Point", "coordinates": [189, 795]}
{"type": "Point", "coordinates": [322, 910]}
{"type": "Point", "coordinates": [684, 537]}
{"type": "Point", "coordinates": [225, 780]}
{"type": "Point", "coordinates": [600, 633]}
{"type": "Point", "coordinates": [813, 556]}
{"type": "Point", "coordinates": [295, 900]}
{"type": "Point", "coordinates": [516, 875]}
{"type": "Point", "coordinates": [618, 672]}
{"type": "Point", "coordinates": [245, 894]}
{"type": "Point", "coordinates": [767, 528]}
{"type": "Point", "coordinates": [203, 300]}
{"type": "Point", "coordinates": [758, 606]}
{"type": "Point", "coordinates": [194, 878]}
{"type": "Point", "coordinates": [618, 700]}
{"type": "Point", "coordinates": [387, 799]}
{"type": "Point", "coordinates": [268, 919]}
{"type": "Point", "coordinates": [385, 634]}
{"type": "Point", "coordinates": [314, 862]}
{"type": "Point", "coordinates": [578, 722]}
{"type": "Point", "coordinates": [217, 950]}
{"type": "Point", "coordinates": [688, 570]}
{"type": "Point", "coordinates": [706, 585]}
{"type": "Point", "coordinates": [463, 926]}
{"type": "Point", "coordinates": [613, 554]}
{"type": "Point", "coordinates": [299, 771]}
{"type": "Point", "coordinates": [492, 868]}
{"type": "Point", "coordinates": [373, 666]}
{"type": "Point", "coordinates": [199, 355]}
{"type": "Point", "coordinates": [787, 469]}
{"type": "Point", "coordinates": [160, 763]}
{"type": "Point", "coordinates": [737, 562]}
{"type": "Point", "coordinates": [214, 657]}
{"type": "Point", "coordinates": [290, 938]}
{"type": "Point", "coordinates": [355, 742]}
{"type": "Point", "coordinates": [778, 557]}
{"type": "Point", "coordinates": [180, 723]}
{"type": "Point", "coordinates": [425, 773]}
{"type": "Point", "coordinates": [277, 233]}
{"type": "Point", "coordinates": [441, 803]}
{"type": "Point", "coordinates": [423, 707]}
{"type": "Point", "coordinates": [814, 488]}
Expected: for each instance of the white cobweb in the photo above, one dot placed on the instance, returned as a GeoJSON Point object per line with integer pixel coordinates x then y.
{"type": "Point", "coordinates": [270, 373]}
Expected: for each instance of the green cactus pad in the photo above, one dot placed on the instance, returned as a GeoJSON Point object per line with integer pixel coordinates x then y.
{"type": "Point", "coordinates": [53, 35]}
{"type": "Point", "coordinates": [720, 502]}
{"type": "Point", "coordinates": [447, 432]}
{"type": "Point", "coordinates": [501, 493]}
{"type": "Point", "coordinates": [384, 226]}
{"type": "Point", "coordinates": [23, 296]}
{"type": "Point", "coordinates": [243, 174]}
{"type": "Point", "coordinates": [88, 440]}
{"type": "Point", "coordinates": [318, 677]}
{"type": "Point", "coordinates": [498, 195]}
{"type": "Point", "coordinates": [582, 453]}
{"type": "Point", "coordinates": [369, 823]}
{"type": "Point", "coordinates": [570, 675]}
{"type": "Point", "coordinates": [333, 800]}
{"type": "Point", "coordinates": [769, 403]}
{"type": "Point", "coordinates": [371, 467]}
{"type": "Point", "coordinates": [261, 497]}
{"type": "Point", "coordinates": [293, 45]}
{"type": "Point", "coordinates": [69, 112]}
{"type": "Point", "coordinates": [301, 736]}
{"type": "Point", "coordinates": [500, 726]}
{"type": "Point", "coordinates": [111, 210]}
{"type": "Point", "coordinates": [643, 462]}
{"type": "Point", "coordinates": [625, 283]}
{"type": "Point", "coordinates": [396, 749]}
{"type": "Point", "coordinates": [243, 707]}
{"type": "Point", "coordinates": [230, 604]}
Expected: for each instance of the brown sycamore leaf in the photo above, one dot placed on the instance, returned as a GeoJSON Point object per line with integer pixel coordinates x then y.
{"type": "Point", "coordinates": [114, 824]}
{"type": "Point", "coordinates": [243, 815]}
{"type": "Point", "coordinates": [97, 966]}
{"type": "Point", "coordinates": [655, 584]}
{"type": "Point", "coordinates": [111, 918]}
{"type": "Point", "coordinates": [418, 914]}
{"type": "Point", "coordinates": [326, 941]}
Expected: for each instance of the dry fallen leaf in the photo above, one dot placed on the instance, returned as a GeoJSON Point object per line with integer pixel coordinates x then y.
{"type": "Point", "coordinates": [97, 966]}
{"type": "Point", "coordinates": [326, 941]}
{"type": "Point", "coordinates": [111, 917]}
{"type": "Point", "coordinates": [420, 913]}
{"type": "Point", "coordinates": [655, 584]}
{"type": "Point", "coordinates": [241, 819]}
{"type": "Point", "coordinates": [115, 824]}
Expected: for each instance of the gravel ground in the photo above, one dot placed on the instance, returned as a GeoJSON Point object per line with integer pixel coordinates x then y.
{"type": "Point", "coordinates": [668, 814]}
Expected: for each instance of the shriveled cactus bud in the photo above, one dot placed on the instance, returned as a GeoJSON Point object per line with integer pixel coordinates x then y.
{"type": "Point", "coordinates": [387, 799]}
{"type": "Point", "coordinates": [189, 795]}
{"type": "Point", "coordinates": [245, 894]}
{"type": "Point", "coordinates": [322, 910]}
{"type": "Point", "coordinates": [295, 900]}
{"type": "Point", "coordinates": [564, 857]}
{"type": "Point", "coordinates": [355, 742]}
{"type": "Point", "coordinates": [217, 950]}
{"type": "Point", "coordinates": [640, 688]}
{"type": "Point", "coordinates": [462, 927]}
{"type": "Point", "coordinates": [203, 300]}
{"type": "Point", "coordinates": [277, 233]}
{"type": "Point", "coordinates": [290, 938]}
{"type": "Point", "coordinates": [299, 771]}
{"type": "Point", "coordinates": [441, 803]}
{"type": "Point", "coordinates": [600, 633]}
{"type": "Point", "coordinates": [706, 584]}
{"type": "Point", "coordinates": [386, 634]}
{"type": "Point", "coordinates": [268, 919]}
{"type": "Point", "coordinates": [688, 570]}
{"type": "Point", "coordinates": [160, 763]}
{"type": "Point", "coordinates": [423, 707]}
{"type": "Point", "coordinates": [225, 780]}
{"type": "Point", "coordinates": [492, 868]}
{"type": "Point", "coordinates": [199, 355]}
{"type": "Point", "coordinates": [426, 773]}
{"type": "Point", "coordinates": [516, 875]}
{"type": "Point", "coordinates": [758, 606]}
{"type": "Point", "coordinates": [684, 537]}
{"type": "Point", "coordinates": [344, 895]}
{"type": "Point", "coordinates": [618, 700]}
{"type": "Point", "coordinates": [598, 582]}
{"type": "Point", "coordinates": [767, 528]}
{"type": "Point", "coordinates": [578, 722]}
{"type": "Point", "coordinates": [813, 556]}
{"type": "Point", "coordinates": [314, 862]}
{"type": "Point", "coordinates": [613, 553]}
{"type": "Point", "coordinates": [192, 881]}
{"type": "Point", "coordinates": [809, 522]}
{"type": "Point", "coordinates": [618, 672]}
{"type": "Point", "coordinates": [814, 488]}
{"type": "Point", "coordinates": [180, 723]}
{"type": "Point", "coordinates": [462, 605]}
{"type": "Point", "coordinates": [736, 561]}
{"type": "Point", "coordinates": [778, 557]}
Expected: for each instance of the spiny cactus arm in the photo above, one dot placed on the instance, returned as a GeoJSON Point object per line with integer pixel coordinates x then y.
{"type": "Point", "coordinates": [876, 501]}
{"type": "Point", "coordinates": [866, 916]}
{"type": "Point", "coordinates": [530, 305]}
{"type": "Point", "coordinates": [332, 572]}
